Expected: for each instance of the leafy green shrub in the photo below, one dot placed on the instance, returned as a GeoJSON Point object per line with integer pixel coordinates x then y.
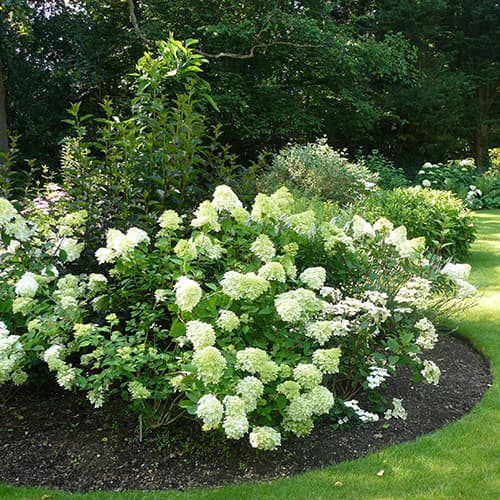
{"type": "Point", "coordinates": [389, 176]}
{"type": "Point", "coordinates": [440, 216]}
{"type": "Point", "coordinates": [488, 185]}
{"type": "Point", "coordinates": [316, 170]}
{"type": "Point", "coordinates": [161, 155]}
{"type": "Point", "coordinates": [216, 316]}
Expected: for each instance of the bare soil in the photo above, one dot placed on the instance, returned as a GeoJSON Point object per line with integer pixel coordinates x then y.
{"type": "Point", "coordinates": [58, 440]}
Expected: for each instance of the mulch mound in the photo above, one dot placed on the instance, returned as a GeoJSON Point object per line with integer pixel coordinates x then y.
{"type": "Point", "coordinates": [59, 441]}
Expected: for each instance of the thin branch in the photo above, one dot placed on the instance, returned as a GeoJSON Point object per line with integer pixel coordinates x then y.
{"type": "Point", "coordinates": [135, 24]}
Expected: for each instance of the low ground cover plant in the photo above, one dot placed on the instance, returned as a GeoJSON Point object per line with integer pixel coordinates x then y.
{"type": "Point", "coordinates": [221, 316]}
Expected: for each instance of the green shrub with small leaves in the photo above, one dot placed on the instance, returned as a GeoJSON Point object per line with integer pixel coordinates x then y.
{"type": "Point", "coordinates": [389, 176]}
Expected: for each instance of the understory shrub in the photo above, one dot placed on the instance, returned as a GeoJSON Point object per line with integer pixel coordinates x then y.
{"type": "Point", "coordinates": [389, 176]}
{"type": "Point", "coordinates": [215, 315]}
{"type": "Point", "coordinates": [439, 216]}
{"type": "Point", "coordinates": [317, 170]}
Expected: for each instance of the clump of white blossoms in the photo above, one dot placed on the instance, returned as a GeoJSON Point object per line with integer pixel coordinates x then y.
{"type": "Point", "coordinates": [383, 226]}
{"type": "Point", "coordinates": [170, 220]}
{"type": "Point", "coordinates": [273, 271]}
{"type": "Point", "coordinates": [361, 228]}
{"type": "Point", "coordinates": [185, 249]}
{"type": "Point", "coordinates": [415, 293]}
{"type": "Point", "coordinates": [327, 360]}
{"type": "Point", "coordinates": [320, 331]}
{"type": "Point", "coordinates": [210, 364]}
{"type": "Point", "coordinates": [7, 211]}
{"type": "Point", "coordinates": [459, 274]}
{"type": "Point", "coordinates": [27, 286]}
{"type": "Point", "coordinates": [119, 245]}
{"type": "Point", "coordinates": [137, 390]}
{"type": "Point", "coordinates": [397, 410]}
{"type": "Point", "coordinates": [303, 223]}
{"type": "Point", "coordinates": [225, 199]}
{"type": "Point", "coordinates": [243, 286]}
{"type": "Point", "coordinates": [265, 438]}
{"type": "Point", "coordinates": [428, 336]}
{"type": "Point", "coordinates": [364, 416]}
{"type": "Point", "coordinates": [187, 293]}
{"type": "Point", "coordinates": [250, 389]}
{"type": "Point", "coordinates": [376, 377]}
{"type": "Point", "coordinates": [313, 277]}
{"type": "Point", "coordinates": [256, 361]}
{"type": "Point", "coordinates": [297, 305]}
{"type": "Point", "coordinates": [263, 248]}
{"type": "Point", "coordinates": [307, 376]}
{"type": "Point", "coordinates": [11, 354]}
{"type": "Point", "coordinates": [228, 321]}
{"type": "Point", "coordinates": [206, 216]}
{"type": "Point", "coordinates": [235, 422]}
{"type": "Point", "coordinates": [200, 334]}
{"type": "Point", "coordinates": [431, 372]}
{"type": "Point", "coordinates": [210, 410]}
{"type": "Point", "coordinates": [71, 248]}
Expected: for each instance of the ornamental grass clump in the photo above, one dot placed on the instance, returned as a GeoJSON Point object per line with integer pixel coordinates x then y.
{"type": "Point", "coordinates": [252, 338]}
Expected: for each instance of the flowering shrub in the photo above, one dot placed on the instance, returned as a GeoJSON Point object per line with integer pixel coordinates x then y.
{"type": "Point", "coordinates": [316, 170]}
{"type": "Point", "coordinates": [217, 317]}
{"type": "Point", "coordinates": [439, 216]}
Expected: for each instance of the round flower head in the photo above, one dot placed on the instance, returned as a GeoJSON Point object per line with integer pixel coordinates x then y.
{"type": "Point", "coordinates": [20, 229]}
{"type": "Point", "coordinates": [251, 359]}
{"type": "Point", "coordinates": [361, 228]}
{"type": "Point", "coordinates": [273, 271]}
{"type": "Point", "coordinates": [200, 334]}
{"type": "Point", "coordinates": [264, 207]}
{"type": "Point", "coordinates": [250, 389]}
{"type": "Point", "coordinates": [187, 293]}
{"type": "Point", "coordinates": [428, 336]}
{"type": "Point", "coordinates": [185, 250]}
{"type": "Point", "coordinates": [225, 199]}
{"type": "Point", "coordinates": [431, 372]}
{"type": "Point", "coordinates": [426, 183]}
{"type": "Point", "coordinates": [169, 220]}
{"type": "Point", "coordinates": [210, 364]}
{"type": "Point", "coordinates": [206, 216]}
{"type": "Point", "coordinates": [7, 211]}
{"type": "Point", "coordinates": [263, 248]}
{"type": "Point", "coordinates": [313, 277]}
{"type": "Point", "coordinates": [456, 272]}
{"type": "Point", "coordinates": [302, 223]}
{"type": "Point", "coordinates": [71, 248]}
{"type": "Point", "coordinates": [210, 410]}
{"type": "Point", "coordinates": [383, 226]}
{"type": "Point", "coordinates": [243, 286]}
{"type": "Point", "coordinates": [265, 438]}
{"type": "Point", "coordinates": [236, 426]}
{"type": "Point", "coordinates": [320, 400]}
{"type": "Point", "coordinates": [307, 375]}
{"type": "Point", "coordinates": [283, 199]}
{"type": "Point", "coordinates": [320, 331]}
{"type": "Point", "coordinates": [397, 236]}
{"type": "Point", "coordinates": [228, 321]}
{"type": "Point", "coordinates": [327, 360]}
{"type": "Point", "coordinates": [27, 286]}
{"type": "Point", "coordinates": [289, 389]}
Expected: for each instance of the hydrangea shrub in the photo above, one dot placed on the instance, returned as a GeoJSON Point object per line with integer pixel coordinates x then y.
{"type": "Point", "coordinates": [213, 315]}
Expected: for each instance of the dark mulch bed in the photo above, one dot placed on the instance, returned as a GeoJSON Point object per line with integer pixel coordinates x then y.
{"type": "Point", "coordinates": [61, 442]}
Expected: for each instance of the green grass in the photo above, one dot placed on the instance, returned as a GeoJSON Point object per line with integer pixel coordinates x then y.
{"type": "Point", "coordinates": [461, 460]}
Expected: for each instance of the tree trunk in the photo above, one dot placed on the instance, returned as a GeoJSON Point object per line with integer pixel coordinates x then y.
{"type": "Point", "coordinates": [481, 142]}
{"type": "Point", "coordinates": [4, 135]}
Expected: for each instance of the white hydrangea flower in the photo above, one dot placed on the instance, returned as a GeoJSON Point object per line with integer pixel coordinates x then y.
{"type": "Point", "coordinates": [210, 364]}
{"type": "Point", "coordinates": [250, 389]}
{"type": "Point", "coordinates": [208, 245]}
{"type": "Point", "coordinates": [20, 229]}
{"type": "Point", "coordinates": [415, 293]}
{"type": "Point", "coordinates": [290, 389]}
{"type": "Point", "coordinates": [206, 216]}
{"type": "Point", "coordinates": [240, 215]}
{"type": "Point", "coordinates": [361, 228]}
{"type": "Point", "coordinates": [169, 220]}
{"type": "Point", "coordinates": [243, 286]}
{"type": "Point", "coordinates": [265, 438]}
{"type": "Point", "coordinates": [11, 353]}
{"type": "Point", "coordinates": [426, 183]}
{"type": "Point", "coordinates": [303, 223]}
{"type": "Point", "coordinates": [235, 426]}
{"type": "Point", "coordinates": [65, 377]}
{"type": "Point", "coordinates": [364, 416]}
{"type": "Point", "coordinates": [210, 410]}
{"type": "Point", "coordinates": [104, 255]}
{"type": "Point", "coordinates": [299, 409]}
{"type": "Point", "coordinates": [137, 236]}
{"type": "Point", "coordinates": [7, 211]}
{"type": "Point", "coordinates": [295, 305]}
{"type": "Point", "coordinates": [411, 248]}
{"type": "Point", "coordinates": [320, 400]}
{"type": "Point", "coordinates": [397, 410]}
{"type": "Point", "coordinates": [428, 336]}
{"type": "Point", "coordinates": [52, 356]}
{"type": "Point", "coordinates": [263, 248]}
{"type": "Point", "coordinates": [97, 282]}
{"type": "Point", "coordinates": [431, 372]}
{"type": "Point", "coordinates": [456, 272]}
{"type": "Point", "coordinates": [273, 271]}
{"type": "Point", "coordinates": [200, 334]}
{"type": "Point", "coordinates": [225, 199]}
{"type": "Point", "coordinates": [320, 331]}
{"type": "Point", "coordinates": [307, 375]}
{"type": "Point", "coordinates": [376, 377]}
{"type": "Point", "coordinates": [264, 207]}
{"type": "Point", "coordinates": [27, 286]}
{"type": "Point", "coordinates": [186, 249]}
{"type": "Point", "coordinates": [228, 321]}
{"type": "Point", "coordinates": [383, 226]}
{"type": "Point", "coordinates": [397, 236]}
{"type": "Point", "coordinates": [71, 247]}
{"type": "Point", "coordinates": [313, 277]}
{"type": "Point", "coordinates": [187, 293]}
{"type": "Point", "coordinates": [327, 360]}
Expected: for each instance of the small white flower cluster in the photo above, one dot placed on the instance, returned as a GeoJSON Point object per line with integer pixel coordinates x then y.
{"type": "Point", "coordinates": [459, 274]}
{"type": "Point", "coordinates": [412, 249]}
{"type": "Point", "coordinates": [431, 372]}
{"type": "Point", "coordinates": [271, 207]}
{"type": "Point", "coordinates": [327, 360]}
{"type": "Point", "coordinates": [376, 377]}
{"type": "Point", "coordinates": [335, 239]}
{"type": "Point", "coordinates": [397, 410]}
{"type": "Point", "coordinates": [428, 336]}
{"type": "Point", "coordinates": [235, 422]}
{"type": "Point", "coordinates": [200, 334]}
{"type": "Point", "coordinates": [210, 364]}
{"type": "Point", "coordinates": [273, 271]}
{"type": "Point", "coordinates": [256, 361]}
{"type": "Point", "coordinates": [265, 438]}
{"type": "Point", "coordinates": [11, 354]}
{"type": "Point", "coordinates": [206, 217]}
{"type": "Point", "coordinates": [120, 245]}
{"type": "Point", "coordinates": [225, 199]}
{"type": "Point", "coordinates": [263, 248]}
{"type": "Point", "coordinates": [27, 286]}
{"type": "Point", "coordinates": [65, 374]}
{"type": "Point", "coordinates": [210, 410]}
{"type": "Point", "coordinates": [250, 389]}
{"type": "Point", "coordinates": [297, 305]}
{"type": "Point", "coordinates": [243, 286]}
{"type": "Point", "coordinates": [361, 228]}
{"type": "Point", "coordinates": [170, 220]}
{"type": "Point", "coordinates": [227, 321]}
{"type": "Point", "coordinates": [473, 197]}
{"type": "Point", "coordinates": [13, 224]}
{"type": "Point", "coordinates": [303, 223]}
{"type": "Point", "coordinates": [414, 294]}
{"type": "Point", "coordinates": [364, 416]}
{"type": "Point", "coordinates": [313, 277]}
{"type": "Point", "coordinates": [187, 293]}
{"type": "Point", "coordinates": [137, 390]}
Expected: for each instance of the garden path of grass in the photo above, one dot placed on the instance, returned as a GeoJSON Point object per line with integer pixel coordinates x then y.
{"type": "Point", "coordinates": [461, 460]}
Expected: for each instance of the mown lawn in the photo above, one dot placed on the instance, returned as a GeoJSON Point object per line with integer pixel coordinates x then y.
{"type": "Point", "coordinates": [461, 460]}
